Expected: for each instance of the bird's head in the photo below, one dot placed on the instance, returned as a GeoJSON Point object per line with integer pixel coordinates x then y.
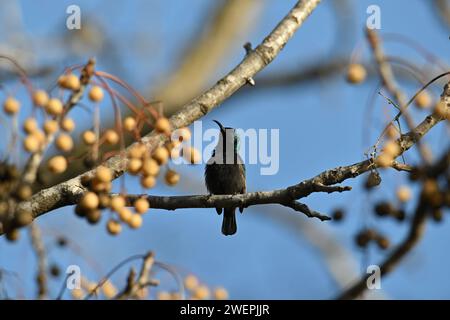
{"type": "Point", "coordinates": [227, 136]}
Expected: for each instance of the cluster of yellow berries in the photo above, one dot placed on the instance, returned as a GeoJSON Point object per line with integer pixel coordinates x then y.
{"type": "Point", "coordinates": [57, 125]}
{"type": "Point", "coordinates": [98, 198]}
{"type": "Point", "coordinates": [108, 289]}
{"type": "Point", "coordinates": [147, 166]}
{"type": "Point", "coordinates": [195, 291]}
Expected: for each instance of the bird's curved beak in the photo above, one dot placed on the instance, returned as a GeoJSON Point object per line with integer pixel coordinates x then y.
{"type": "Point", "coordinates": [222, 129]}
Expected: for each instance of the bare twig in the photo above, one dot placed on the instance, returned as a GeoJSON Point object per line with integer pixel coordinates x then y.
{"type": "Point", "coordinates": [389, 82]}
{"type": "Point", "coordinates": [39, 248]}
{"type": "Point", "coordinates": [401, 166]}
{"type": "Point", "coordinates": [135, 284]}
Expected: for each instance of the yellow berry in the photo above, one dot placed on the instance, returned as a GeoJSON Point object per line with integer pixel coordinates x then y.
{"type": "Point", "coordinates": [30, 125]}
{"type": "Point", "coordinates": [172, 177]}
{"type": "Point", "coordinates": [89, 137]}
{"type": "Point", "coordinates": [129, 124]}
{"type": "Point", "coordinates": [96, 94]}
{"type": "Point", "coordinates": [62, 80]}
{"type": "Point", "coordinates": [70, 81]}
{"type": "Point", "coordinates": [135, 221]}
{"type": "Point", "coordinates": [23, 218]}
{"type": "Point", "coordinates": [31, 143]}
{"type": "Point", "coordinates": [109, 290]}
{"type": "Point", "coordinates": [24, 192]}
{"type": "Point", "coordinates": [392, 132]}
{"type": "Point", "coordinates": [73, 82]}
{"type": "Point", "coordinates": [89, 200]}
{"type": "Point", "coordinates": [162, 125]}
{"type": "Point", "coordinates": [57, 164]}
{"type": "Point", "coordinates": [11, 106]}
{"type": "Point", "coordinates": [40, 136]}
{"type": "Point", "coordinates": [117, 203]}
{"type": "Point", "coordinates": [77, 294]}
{"type": "Point", "coordinates": [392, 148]}
{"type": "Point", "coordinates": [161, 155]}
{"type": "Point", "coordinates": [201, 292]}
{"type": "Point", "coordinates": [141, 205]}
{"type": "Point", "coordinates": [163, 295]}
{"type": "Point", "coordinates": [356, 73]}
{"type": "Point", "coordinates": [220, 293]}
{"type": "Point", "coordinates": [99, 186]}
{"type": "Point", "coordinates": [191, 282]}
{"type": "Point", "coordinates": [125, 215]}
{"type": "Point", "coordinates": [114, 227]}
{"type": "Point", "coordinates": [64, 142]}
{"type": "Point", "coordinates": [13, 235]}
{"type": "Point", "coordinates": [67, 124]}
{"type": "Point", "coordinates": [51, 126]}
{"type": "Point", "coordinates": [442, 110]}
{"type": "Point", "coordinates": [423, 100]}
{"type": "Point", "coordinates": [403, 193]}
{"type": "Point", "coordinates": [150, 167]}
{"type": "Point", "coordinates": [111, 136]}
{"type": "Point", "coordinates": [103, 174]}
{"type": "Point", "coordinates": [384, 160]}
{"type": "Point", "coordinates": [40, 98]}
{"type": "Point", "coordinates": [148, 182]}
{"type": "Point", "coordinates": [54, 107]}
{"type": "Point", "coordinates": [430, 187]}
{"type": "Point", "coordinates": [136, 151]}
{"type": "Point", "coordinates": [134, 165]}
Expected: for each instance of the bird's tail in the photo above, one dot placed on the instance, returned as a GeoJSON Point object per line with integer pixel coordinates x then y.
{"type": "Point", "coordinates": [229, 222]}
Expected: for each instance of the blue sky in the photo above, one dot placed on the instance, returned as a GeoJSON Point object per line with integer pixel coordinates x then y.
{"type": "Point", "coordinates": [321, 127]}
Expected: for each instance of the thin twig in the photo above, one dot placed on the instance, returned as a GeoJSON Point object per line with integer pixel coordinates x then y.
{"type": "Point", "coordinates": [39, 248]}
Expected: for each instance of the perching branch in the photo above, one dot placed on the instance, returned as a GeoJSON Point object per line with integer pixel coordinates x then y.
{"type": "Point", "coordinates": [69, 192]}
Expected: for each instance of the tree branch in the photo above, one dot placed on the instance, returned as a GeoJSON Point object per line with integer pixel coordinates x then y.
{"type": "Point", "coordinates": [69, 192]}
